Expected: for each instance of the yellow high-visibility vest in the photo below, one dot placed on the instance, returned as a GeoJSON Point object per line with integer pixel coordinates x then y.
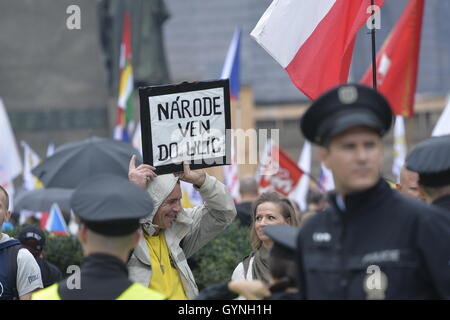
{"type": "Point", "coordinates": [134, 292]}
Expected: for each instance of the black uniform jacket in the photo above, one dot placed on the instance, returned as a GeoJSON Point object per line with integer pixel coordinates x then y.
{"type": "Point", "coordinates": [443, 202]}
{"type": "Point", "coordinates": [103, 277]}
{"type": "Point", "coordinates": [382, 246]}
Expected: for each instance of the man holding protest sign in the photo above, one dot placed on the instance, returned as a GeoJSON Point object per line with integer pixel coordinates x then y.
{"type": "Point", "coordinates": [183, 128]}
{"type": "Point", "coordinates": [173, 234]}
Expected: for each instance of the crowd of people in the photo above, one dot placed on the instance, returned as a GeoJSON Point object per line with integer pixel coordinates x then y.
{"type": "Point", "coordinates": [364, 240]}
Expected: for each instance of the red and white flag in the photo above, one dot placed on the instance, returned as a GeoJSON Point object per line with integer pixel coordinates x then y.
{"type": "Point", "coordinates": [231, 175]}
{"type": "Point", "coordinates": [285, 178]}
{"type": "Point", "coordinates": [313, 40]}
{"type": "Point", "coordinates": [300, 193]}
{"type": "Point", "coordinates": [397, 61]}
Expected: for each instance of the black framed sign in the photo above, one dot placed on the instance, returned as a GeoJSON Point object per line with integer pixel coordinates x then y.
{"type": "Point", "coordinates": [189, 121]}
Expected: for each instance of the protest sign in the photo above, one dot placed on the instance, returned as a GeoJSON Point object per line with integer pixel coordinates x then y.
{"type": "Point", "coordinates": [185, 122]}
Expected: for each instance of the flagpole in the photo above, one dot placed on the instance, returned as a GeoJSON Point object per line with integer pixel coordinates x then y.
{"type": "Point", "coordinates": [374, 59]}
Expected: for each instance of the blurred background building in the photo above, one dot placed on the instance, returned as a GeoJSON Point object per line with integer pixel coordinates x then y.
{"type": "Point", "coordinates": [60, 85]}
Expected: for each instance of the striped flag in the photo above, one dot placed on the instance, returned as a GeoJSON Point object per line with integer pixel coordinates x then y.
{"type": "Point", "coordinates": [124, 117]}
{"type": "Point", "coordinates": [313, 40]}
{"type": "Point", "coordinates": [230, 71]}
{"type": "Point", "coordinates": [55, 222]}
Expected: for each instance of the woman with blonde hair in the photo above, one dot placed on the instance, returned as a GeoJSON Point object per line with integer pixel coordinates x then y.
{"type": "Point", "coordinates": [270, 208]}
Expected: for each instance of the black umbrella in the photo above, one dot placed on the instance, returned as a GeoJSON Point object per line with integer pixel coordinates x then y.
{"type": "Point", "coordinates": [42, 199]}
{"type": "Point", "coordinates": [75, 161]}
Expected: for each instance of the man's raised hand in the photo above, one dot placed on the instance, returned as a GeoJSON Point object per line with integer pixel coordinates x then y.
{"type": "Point", "coordinates": [140, 175]}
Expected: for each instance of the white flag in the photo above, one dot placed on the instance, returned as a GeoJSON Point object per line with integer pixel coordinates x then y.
{"type": "Point", "coordinates": [326, 180]}
{"type": "Point", "coordinates": [73, 225]}
{"type": "Point", "coordinates": [10, 163]}
{"type": "Point", "coordinates": [399, 146]}
{"type": "Point", "coordinates": [50, 150]}
{"type": "Point", "coordinates": [191, 197]}
{"type": "Point", "coordinates": [30, 160]}
{"type": "Point", "coordinates": [137, 138]}
{"type": "Point", "coordinates": [231, 175]}
{"type": "Point", "coordinates": [301, 191]}
{"type": "Point", "coordinates": [443, 125]}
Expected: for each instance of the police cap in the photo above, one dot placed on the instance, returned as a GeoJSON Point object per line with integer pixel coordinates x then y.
{"type": "Point", "coordinates": [431, 160]}
{"type": "Point", "coordinates": [110, 205]}
{"type": "Point", "coordinates": [344, 107]}
{"type": "Point", "coordinates": [284, 239]}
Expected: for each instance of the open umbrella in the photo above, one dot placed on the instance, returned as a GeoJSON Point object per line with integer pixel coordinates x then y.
{"type": "Point", "coordinates": [42, 199]}
{"type": "Point", "coordinates": [74, 161]}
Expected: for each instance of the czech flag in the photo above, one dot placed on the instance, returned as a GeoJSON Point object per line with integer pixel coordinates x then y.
{"type": "Point", "coordinates": [55, 222]}
{"type": "Point", "coordinates": [231, 66]}
{"type": "Point", "coordinates": [231, 71]}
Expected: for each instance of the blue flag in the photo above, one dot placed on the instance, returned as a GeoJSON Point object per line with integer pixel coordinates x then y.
{"type": "Point", "coordinates": [231, 66]}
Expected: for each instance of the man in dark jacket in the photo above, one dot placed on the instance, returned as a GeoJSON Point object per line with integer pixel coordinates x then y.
{"type": "Point", "coordinates": [372, 242]}
{"type": "Point", "coordinates": [431, 160]}
{"type": "Point", "coordinates": [33, 238]}
{"type": "Point", "coordinates": [248, 190]}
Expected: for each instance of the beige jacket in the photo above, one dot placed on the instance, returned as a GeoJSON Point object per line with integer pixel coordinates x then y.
{"type": "Point", "coordinates": [192, 229]}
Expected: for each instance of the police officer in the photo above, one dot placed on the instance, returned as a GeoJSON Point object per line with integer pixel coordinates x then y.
{"type": "Point", "coordinates": [431, 160]}
{"type": "Point", "coordinates": [109, 208]}
{"type": "Point", "coordinates": [372, 242]}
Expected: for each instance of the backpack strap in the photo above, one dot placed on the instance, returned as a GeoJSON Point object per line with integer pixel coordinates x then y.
{"type": "Point", "coordinates": [13, 251]}
{"type": "Point", "coordinates": [12, 248]}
